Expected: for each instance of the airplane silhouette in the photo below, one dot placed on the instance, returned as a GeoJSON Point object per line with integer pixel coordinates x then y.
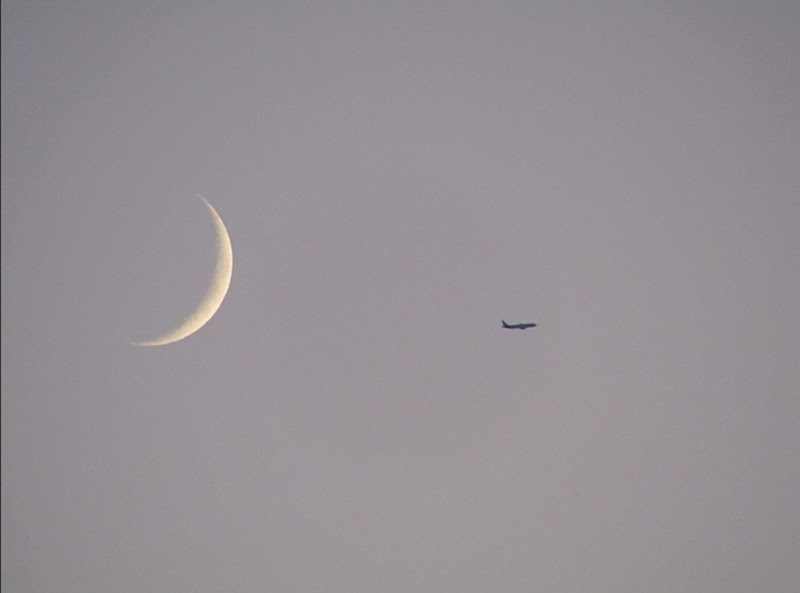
{"type": "Point", "coordinates": [518, 325]}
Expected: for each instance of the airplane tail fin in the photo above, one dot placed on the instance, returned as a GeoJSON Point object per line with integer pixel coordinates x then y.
{"type": "Point", "coordinates": [504, 323]}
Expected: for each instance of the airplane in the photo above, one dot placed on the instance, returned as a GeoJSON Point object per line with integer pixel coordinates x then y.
{"type": "Point", "coordinates": [518, 325]}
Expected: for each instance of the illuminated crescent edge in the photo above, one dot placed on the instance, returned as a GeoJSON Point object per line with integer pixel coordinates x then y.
{"type": "Point", "coordinates": [213, 298]}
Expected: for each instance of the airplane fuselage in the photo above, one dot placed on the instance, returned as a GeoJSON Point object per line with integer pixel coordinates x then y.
{"type": "Point", "coordinates": [518, 325]}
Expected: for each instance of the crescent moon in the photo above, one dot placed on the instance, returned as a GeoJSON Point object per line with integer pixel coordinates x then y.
{"type": "Point", "coordinates": [220, 282]}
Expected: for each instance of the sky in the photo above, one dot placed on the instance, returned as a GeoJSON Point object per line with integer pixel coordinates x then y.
{"type": "Point", "coordinates": [396, 178]}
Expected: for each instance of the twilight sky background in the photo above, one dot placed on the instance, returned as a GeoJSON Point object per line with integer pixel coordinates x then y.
{"type": "Point", "coordinates": [396, 178]}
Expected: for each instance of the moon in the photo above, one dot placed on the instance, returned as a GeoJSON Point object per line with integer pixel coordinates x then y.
{"type": "Point", "coordinates": [220, 282]}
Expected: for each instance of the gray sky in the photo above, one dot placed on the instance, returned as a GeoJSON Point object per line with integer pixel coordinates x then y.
{"type": "Point", "coordinates": [395, 180]}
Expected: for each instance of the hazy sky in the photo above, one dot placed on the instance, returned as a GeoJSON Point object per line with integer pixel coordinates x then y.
{"type": "Point", "coordinates": [397, 178]}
